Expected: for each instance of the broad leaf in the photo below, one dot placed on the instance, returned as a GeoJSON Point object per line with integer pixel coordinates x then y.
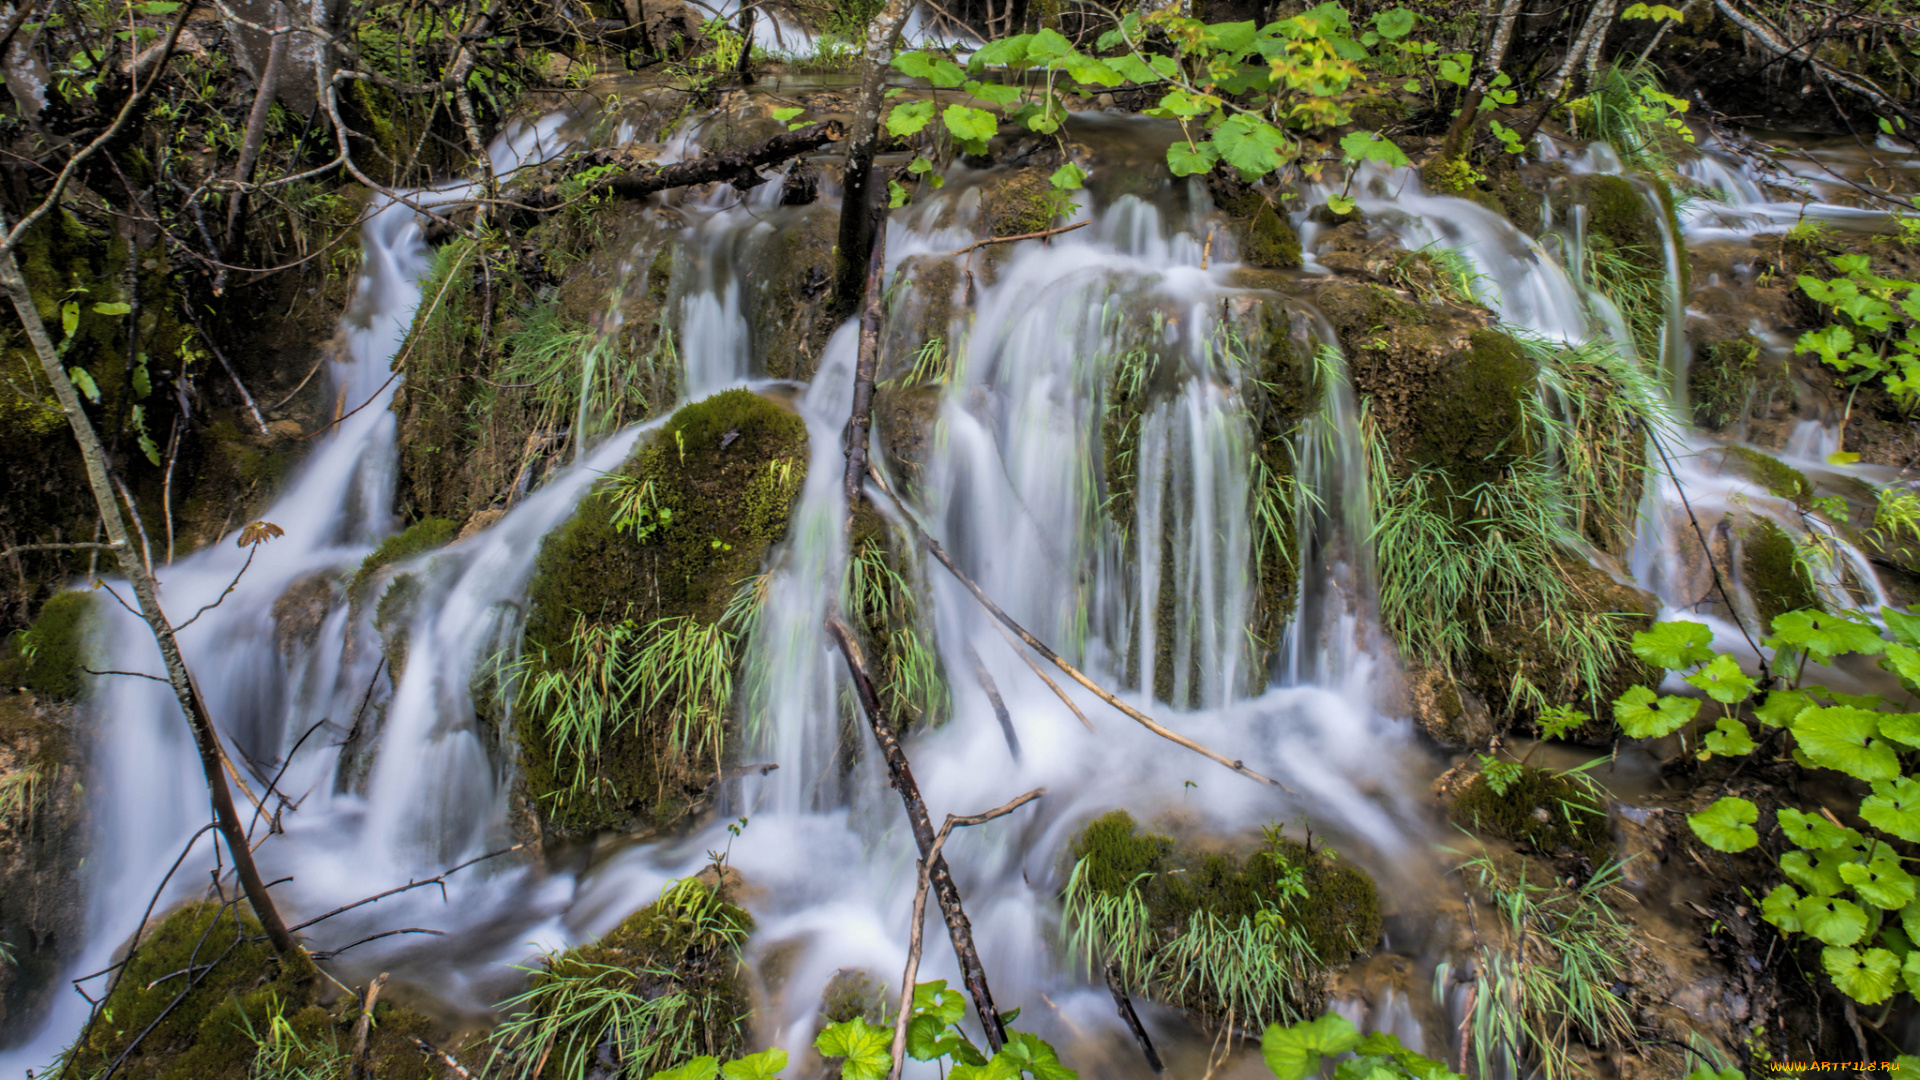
{"type": "Point", "coordinates": [1252, 146]}
{"type": "Point", "coordinates": [998, 93]}
{"type": "Point", "coordinates": [1729, 737]}
{"type": "Point", "coordinates": [1903, 728]}
{"type": "Point", "coordinates": [1782, 706]}
{"type": "Point", "coordinates": [970, 124]}
{"type": "Point", "coordinates": [909, 119]}
{"type": "Point", "coordinates": [866, 1048]}
{"type": "Point", "coordinates": [1904, 627]}
{"type": "Point", "coordinates": [1184, 160]}
{"type": "Point", "coordinates": [83, 382]}
{"type": "Point", "coordinates": [1779, 909]}
{"type": "Point", "coordinates": [1002, 1067]}
{"type": "Point", "coordinates": [1868, 976]}
{"type": "Point", "coordinates": [1880, 881]}
{"type": "Point", "coordinates": [1036, 1057]}
{"type": "Point", "coordinates": [1367, 146]}
{"type": "Point", "coordinates": [1294, 1053]}
{"type": "Point", "coordinates": [1048, 44]}
{"type": "Point", "coordinates": [1722, 680]}
{"type": "Point", "coordinates": [700, 1068]}
{"type": "Point", "coordinates": [1068, 177]}
{"type": "Point", "coordinates": [1894, 808]}
{"type": "Point", "coordinates": [1642, 714]}
{"type": "Point", "coordinates": [1832, 919]}
{"type": "Point", "coordinates": [1820, 879]}
{"type": "Point", "coordinates": [1727, 825]}
{"type": "Point", "coordinates": [1911, 972]}
{"type": "Point", "coordinates": [765, 1065]}
{"type": "Point", "coordinates": [1842, 737]}
{"type": "Point", "coordinates": [937, 70]}
{"type": "Point", "coordinates": [1813, 832]}
{"type": "Point", "coordinates": [1395, 24]}
{"type": "Point", "coordinates": [1341, 204]}
{"type": "Point", "coordinates": [1674, 645]}
{"type": "Point", "coordinates": [116, 308]}
{"type": "Point", "coordinates": [1825, 635]}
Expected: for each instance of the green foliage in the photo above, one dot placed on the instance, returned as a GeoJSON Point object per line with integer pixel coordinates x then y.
{"type": "Point", "coordinates": [1727, 825]}
{"type": "Point", "coordinates": [1871, 335]}
{"type": "Point", "coordinates": [50, 657]}
{"type": "Point", "coordinates": [423, 535]}
{"type": "Point", "coordinates": [576, 378]}
{"type": "Point", "coordinates": [904, 660]}
{"type": "Point", "coordinates": [1628, 109]}
{"type": "Point", "coordinates": [1210, 932]}
{"type": "Point", "coordinates": [1555, 985]}
{"type": "Point", "coordinates": [1556, 813]}
{"type": "Point", "coordinates": [665, 985]}
{"type": "Point", "coordinates": [1298, 1051]}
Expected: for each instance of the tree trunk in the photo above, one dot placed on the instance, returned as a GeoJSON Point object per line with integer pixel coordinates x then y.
{"type": "Point", "coordinates": [863, 141]}
{"type": "Point", "coordinates": [191, 703]}
{"type": "Point", "coordinates": [1496, 55]}
{"type": "Point", "coordinates": [256, 133]}
{"type": "Point", "coordinates": [860, 423]}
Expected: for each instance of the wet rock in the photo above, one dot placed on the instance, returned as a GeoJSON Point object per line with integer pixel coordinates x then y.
{"type": "Point", "coordinates": [1523, 647]}
{"type": "Point", "coordinates": [300, 611]}
{"type": "Point", "coordinates": [1771, 571]}
{"type": "Point", "coordinates": [50, 657]}
{"type": "Point", "coordinates": [788, 286]}
{"type": "Point", "coordinates": [852, 992]}
{"type": "Point", "coordinates": [43, 828]}
{"type": "Point", "coordinates": [1698, 564]}
{"type": "Point", "coordinates": [904, 418]}
{"type": "Point", "coordinates": [1266, 238]}
{"type": "Point", "coordinates": [1451, 715]}
{"type": "Point", "coordinates": [480, 522]}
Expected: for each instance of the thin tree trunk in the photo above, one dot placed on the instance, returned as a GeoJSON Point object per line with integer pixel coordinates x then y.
{"type": "Point", "coordinates": [188, 694]}
{"type": "Point", "coordinates": [1601, 13]}
{"type": "Point", "coordinates": [256, 134]}
{"type": "Point", "coordinates": [746, 45]}
{"type": "Point", "coordinates": [1125, 1005]}
{"type": "Point", "coordinates": [900, 775]}
{"type": "Point", "coordinates": [866, 367]}
{"type": "Point", "coordinates": [1489, 67]}
{"type": "Point", "coordinates": [863, 140]}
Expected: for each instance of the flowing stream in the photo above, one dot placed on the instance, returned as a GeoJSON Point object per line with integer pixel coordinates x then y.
{"type": "Point", "coordinates": [385, 786]}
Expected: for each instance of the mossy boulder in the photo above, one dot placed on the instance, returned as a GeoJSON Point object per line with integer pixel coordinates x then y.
{"type": "Point", "coordinates": [728, 470]}
{"type": "Point", "coordinates": [684, 948]}
{"type": "Point", "coordinates": [1183, 884]}
{"type": "Point", "coordinates": [1780, 480]}
{"type": "Point", "coordinates": [1283, 389]}
{"type": "Point", "coordinates": [1770, 568]}
{"type": "Point", "coordinates": [886, 584]}
{"type": "Point", "coordinates": [1267, 239]}
{"type": "Point", "coordinates": [207, 984]}
{"type": "Point", "coordinates": [50, 657]}
{"type": "Point", "coordinates": [788, 274]}
{"type": "Point", "coordinates": [1531, 646]}
{"type": "Point", "coordinates": [1547, 811]}
{"type": "Point", "coordinates": [1726, 374]}
{"type": "Point", "coordinates": [421, 536]}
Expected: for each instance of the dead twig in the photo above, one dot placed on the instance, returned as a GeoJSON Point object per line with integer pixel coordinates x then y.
{"type": "Point", "coordinates": [1042, 234]}
{"type": "Point", "coordinates": [363, 1026]}
{"type": "Point", "coordinates": [439, 879]}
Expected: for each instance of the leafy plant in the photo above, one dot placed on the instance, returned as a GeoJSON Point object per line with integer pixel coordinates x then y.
{"type": "Point", "coordinates": [1298, 1051]}
{"type": "Point", "coordinates": [1872, 334]}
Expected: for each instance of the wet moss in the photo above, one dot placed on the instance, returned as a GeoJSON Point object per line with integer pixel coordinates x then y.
{"type": "Point", "coordinates": [852, 993]}
{"type": "Point", "coordinates": [788, 282]}
{"type": "Point", "coordinates": [1542, 809]}
{"type": "Point", "coordinates": [1472, 413]}
{"type": "Point", "coordinates": [1772, 572]}
{"type": "Point", "coordinates": [1781, 480]}
{"type": "Point", "coordinates": [422, 535]}
{"type": "Point", "coordinates": [1284, 391]}
{"type": "Point", "coordinates": [1270, 242]}
{"type": "Point", "coordinates": [1018, 202]}
{"type": "Point", "coordinates": [1340, 915]}
{"type": "Point", "coordinates": [1722, 379]}
{"type": "Point", "coordinates": [886, 586]}
{"type": "Point", "coordinates": [49, 658]}
{"type": "Point", "coordinates": [729, 468]}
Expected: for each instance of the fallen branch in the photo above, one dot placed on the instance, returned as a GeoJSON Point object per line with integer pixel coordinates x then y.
{"type": "Point", "coordinates": [17, 548]}
{"type": "Point", "coordinates": [362, 1026]}
{"type": "Point", "coordinates": [740, 168]}
{"type": "Point", "coordinates": [1125, 1005]}
{"type": "Point", "coordinates": [446, 1059]}
{"type": "Point", "coordinates": [1041, 235]}
{"type": "Point", "coordinates": [1021, 652]}
{"type": "Point", "coordinates": [1055, 658]}
{"type": "Point", "coordinates": [920, 916]}
{"type": "Point", "coordinates": [329, 954]}
{"type": "Point", "coordinates": [439, 879]}
{"type": "Point", "coordinates": [866, 367]}
{"type": "Point", "coordinates": [993, 696]}
{"type": "Point", "coordinates": [900, 775]}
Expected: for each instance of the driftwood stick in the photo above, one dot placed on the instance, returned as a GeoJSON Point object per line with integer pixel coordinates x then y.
{"type": "Point", "coordinates": [1055, 658]}
{"type": "Point", "coordinates": [741, 166]}
{"type": "Point", "coordinates": [993, 695]}
{"type": "Point", "coordinates": [1125, 1004]}
{"type": "Point", "coordinates": [446, 1059]}
{"type": "Point", "coordinates": [900, 775]}
{"type": "Point", "coordinates": [1041, 235]}
{"type": "Point", "coordinates": [919, 918]}
{"type": "Point", "coordinates": [1027, 659]}
{"type": "Point", "coordinates": [439, 879]}
{"type": "Point", "coordinates": [866, 366]}
{"type": "Point", "coordinates": [362, 1026]}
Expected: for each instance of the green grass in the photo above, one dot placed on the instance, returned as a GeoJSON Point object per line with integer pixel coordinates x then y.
{"type": "Point", "coordinates": [576, 379]}
{"type": "Point", "coordinates": [909, 673]}
{"type": "Point", "coordinates": [1640, 297]}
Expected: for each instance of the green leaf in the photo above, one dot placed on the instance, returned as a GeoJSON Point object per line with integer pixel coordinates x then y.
{"type": "Point", "coordinates": [1453, 71]}
{"type": "Point", "coordinates": [1831, 919]}
{"type": "Point", "coordinates": [1722, 680]}
{"type": "Point", "coordinates": [1048, 44]}
{"type": "Point", "coordinates": [1727, 825]}
{"type": "Point", "coordinates": [970, 124]}
{"type": "Point", "coordinates": [69, 318]}
{"type": "Point", "coordinates": [112, 309]}
{"type": "Point", "coordinates": [1813, 832]}
{"type": "Point", "coordinates": [1820, 879]}
{"type": "Point", "coordinates": [765, 1065]}
{"type": "Point", "coordinates": [1002, 1067]}
{"type": "Point", "coordinates": [1341, 204]}
{"type": "Point", "coordinates": [1729, 737]}
{"type": "Point", "coordinates": [1088, 71]}
{"type": "Point", "coordinates": [909, 119]}
{"type": "Point", "coordinates": [1674, 645]}
{"type": "Point", "coordinates": [1832, 343]}
{"type": "Point", "coordinates": [1842, 457]}
{"type": "Point", "coordinates": [142, 382]}
{"type": "Point", "coordinates": [1367, 146]}
{"type": "Point", "coordinates": [864, 1046]}
{"type": "Point", "coordinates": [1133, 69]}
{"type": "Point", "coordinates": [1880, 881]}
{"type": "Point", "coordinates": [1394, 24]}
{"type": "Point", "coordinates": [1841, 737]}
{"type": "Point", "coordinates": [700, 1068]}
{"type": "Point", "coordinates": [1068, 177]}
{"type": "Point", "coordinates": [1184, 160]}
{"type": "Point", "coordinates": [1903, 728]}
{"type": "Point", "coordinates": [934, 999]}
{"type": "Point", "coordinates": [84, 383]}
{"type": "Point", "coordinates": [1894, 808]}
{"type": "Point", "coordinates": [998, 93]}
{"type": "Point", "coordinates": [1779, 909]}
{"type": "Point", "coordinates": [1294, 1053]}
{"type": "Point", "coordinates": [897, 196]}
{"type": "Point", "coordinates": [937, 70]}
{"type": "Point", "coordinates": [1233, 38]}
{"type": "Point", "coordinates": [1651, 11]}
{"type": "Point", "coordinates": [1867, 976]}
{"type": "Point", "coordinates": [1642, 714]}
{"type": "Point", "coordinates": [1904, 627]}
{"type": "Point", "coordinates": [1254, 147]}
{"type": "Point", "coordinates": [1782, 706]}
{"type": "Point", "coordinates": [1827, 636]}
{"type": "Point", "coordinates": [1036, 1057]}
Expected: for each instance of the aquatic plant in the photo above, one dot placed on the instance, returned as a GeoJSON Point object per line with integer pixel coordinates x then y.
{"type": "Point", "coordinates": [1630, 110]}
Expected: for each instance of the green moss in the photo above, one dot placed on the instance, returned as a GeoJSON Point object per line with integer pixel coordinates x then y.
{"type": "Point", "coordinates": [1781, 480]}
{"type": "Point", "coordinates": [852, 993]}
{"type": "Point", "coordinates": [1017, 203]}
{"type": "Point", "coordinates": [1542, 809]}
{"type": "Point", "coordinates": [422, 535]}
{"type": "Point", "coordinates": [1722, 379]}
{"type": "Point", "coordinates": [1468, 421]}
{"type": "Point", "coordinates": [1271, 243]}
{"type": "Point", "coordinates": [1284, 392]}
{"type": "Point", "coordinates": [1771, 569]}
{"type": "Point", "coordinates": [392, 616]}
{"type": "Point", "coordinates": [1340, 914]}
{"type": "Point", "coordinates": [49, 657]}
{"type": "Point", "coordinates": [729, 468]}
{"type": "Point", "coordinates": [788, 311]}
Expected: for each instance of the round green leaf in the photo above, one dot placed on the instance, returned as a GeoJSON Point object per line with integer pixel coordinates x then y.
{"type": "Point", "coordinates": [865, 1048]}
{"type": "Point", "coordinates": [1910, 971]}
{"type": "Point", "coordinates": [1184, 160]}
{"type": "Point", "coordinates": [1368, 146]}
{"type": "Point", "coordinates": [1782, 706]}
{"type": "Point", "coordinates": [765, 1065]}
{"type": "Point", "coordinates": [1729, 737]}
{"type": "Point", "coordinates": [1842, 737]}
{"type": "Point", "coordinates": [1294, 1053]}
{"type": "Point", "coordinates": [1642, 714]}
{"type": "Point", "coordinates": [1727, 825]}
{"type": "Point", "coordinates": [1827, 635]}
{"type": "Point", "coordinates": [1831, 919]}
{"type": "Point", "coordinates": [970, 124]}
{"type": "Point", "coordinates": [1813, 832]}
{"type": "Point", "coordinates": [1820, 879]}
{"type": "Point", "coordinates": [1722, 680]}
{"type": "Point", "coordinates": [1252, 146]}
{"type": "Point", "coordinates": [1674, 645]}
{"type": "Point", "coordinates": [1903, 728]}
{"type": "Point", "coordinates": [1867, 976]}
{"type": "Point", "coordinates": [1894, 808]}
{"type": "Point", "coordinates": [1880, 881]}
{"type": "Point", "coordinates": [1778, 909]}
{"type": "Point", "coordinates": [700, 1068]}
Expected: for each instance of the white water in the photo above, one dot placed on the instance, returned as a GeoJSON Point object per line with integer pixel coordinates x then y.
{"type": "Point", "coordinates": [1011, 491]}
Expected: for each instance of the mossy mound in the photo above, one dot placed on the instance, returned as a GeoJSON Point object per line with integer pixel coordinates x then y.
{"type": "Point", "coordinates": [685, 945]}
{"type": "Point", "coordinates": [209, 1032]}
{"type": "Point", "coordinates": [1781, 480]}
{"type": "Point", "coordinates": [1338, 917]}
{"type": "Point", "coordinates": [50, 657]}
{"type": "Point", "coordinates": [788, 274]}
{"type": "Point", "coordinates": [852, 992]}
{"type": "Point", "coordinates": [728, 469]}
{"type": "Point", "coordinates": [1771, 569]}
{"type": "Point", "coordinates": [1626, 249]}
{"type": "Point", "coordinates": [423, 535]}
{"type": "Point", "coordinates": [1270, 242]}
{"type": "Point", "coordinates": [1542, 809]}
{"type": "Point", "coordinates": [1283, 390]}
{"type": "Point", "coordinates": [1525, 647]}
{"type": "Point", "coordinates": [1724, 377]}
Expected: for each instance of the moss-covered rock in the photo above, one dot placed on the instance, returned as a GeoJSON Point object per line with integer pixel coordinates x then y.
{"type": "Point", "coordinates": [1270, 242]}
{"type": "Point", "coordinates": [788, 275]}
{"type": "Point", "coordinates": [1726, 374]}
{"type": "Point", "coordinates": [207, 985]}
{"type": "Point", "coordinates": [1540, 808]}
{"type": "Point", "coordinates": [49, 657]}
{"type": "Point", "coordinates": [1770, 568]}
{"type": "Point", "coordinates": [423, 535]}
{"type": "Point", "coordinates": [886, 585]}
{"type": "Point", "coordinates": [1182, 884]}
{"type": "Point", "coordinates": [43, 832]}
{"type": "Point", "coordinates": [1283, 389]}
{"type": "Point", "coordinates": [1530, 647]}
{"type": "Point", "coordinates": [728, 470]}
{"type": "Point", "coordinates": [1780, 480]}
{"type": "Point", "coordinates": [1626, 252]}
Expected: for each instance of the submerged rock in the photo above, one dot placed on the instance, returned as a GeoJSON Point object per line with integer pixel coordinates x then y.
{"type": "Point", "coordinates": [43, 827]}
